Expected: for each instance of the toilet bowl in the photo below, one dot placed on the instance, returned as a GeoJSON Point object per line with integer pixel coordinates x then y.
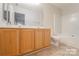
{"type": "Point", "coordinates": [56, 40]}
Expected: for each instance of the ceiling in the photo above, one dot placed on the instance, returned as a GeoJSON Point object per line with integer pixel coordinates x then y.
{"type": "Point", "coordinates": [63, 6]}
{"type": "Point", "coordinates": [66, 5]}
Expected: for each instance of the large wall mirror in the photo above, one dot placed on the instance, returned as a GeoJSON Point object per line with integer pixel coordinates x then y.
{"type": "Point", "coordinates": [23, 14]}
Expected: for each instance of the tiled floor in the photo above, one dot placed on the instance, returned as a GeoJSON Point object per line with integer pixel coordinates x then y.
{"type": "Point", "coordinates": [63, 50]}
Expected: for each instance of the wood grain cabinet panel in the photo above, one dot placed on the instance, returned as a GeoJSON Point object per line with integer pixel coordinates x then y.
{"type": "Point", "coordinates": [46, 40]}
{"type": "Point", "coordinates": [42, 38]}
{"type": "Point", "coordinates": [38, 39]}
{"type": "Point", "coordinates": [8, 42]}
{"type": "Point", "coordinates": [26, 40]}
{"type": "Point", "coordinates": [2, 43]}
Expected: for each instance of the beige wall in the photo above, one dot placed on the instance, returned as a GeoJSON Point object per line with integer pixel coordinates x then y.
{"type": "Point", "coordinates": [52, 18]}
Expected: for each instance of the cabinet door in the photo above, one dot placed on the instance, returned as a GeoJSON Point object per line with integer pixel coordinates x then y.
{"type": "Point", "coordinates": [8, 42]}
{"type": "Point", "coordinates": [38, 39]}
{"type": "Point", "coordinates": [47, 37]}
{"type": "Point", "coordinates": [2, 43]}
{"type": "Point", "coordinates": [26, 40]}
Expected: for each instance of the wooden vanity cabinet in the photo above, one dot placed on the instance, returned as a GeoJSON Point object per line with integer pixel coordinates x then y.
{"type": "Point", "coordinates": [18, 41]}
{"type": "Point", "coordinates": [9, 42]}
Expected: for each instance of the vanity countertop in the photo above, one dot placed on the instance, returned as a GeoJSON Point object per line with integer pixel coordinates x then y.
{"type": "Point", "coordinates": [11, 26]}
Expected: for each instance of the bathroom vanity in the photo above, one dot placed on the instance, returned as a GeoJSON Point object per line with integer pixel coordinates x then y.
{"type": "Point", "coordinates": [18, 41]}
